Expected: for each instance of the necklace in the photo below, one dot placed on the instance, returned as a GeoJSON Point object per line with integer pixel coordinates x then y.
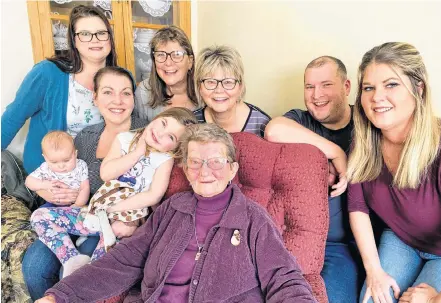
{"type": "Point", "coordinates": [198, 254]}
{"type": "Point", "coordinates": [201, 246]}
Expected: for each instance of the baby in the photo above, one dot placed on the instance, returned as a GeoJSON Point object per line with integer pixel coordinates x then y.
{"type": "Point", "coordinates": [62, 166]}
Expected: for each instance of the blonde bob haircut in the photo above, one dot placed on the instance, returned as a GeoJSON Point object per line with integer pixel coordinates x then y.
{"type": "Point", "coordinates": [214, 57]}
{"type": "Point", "coordinates": [422, 143]}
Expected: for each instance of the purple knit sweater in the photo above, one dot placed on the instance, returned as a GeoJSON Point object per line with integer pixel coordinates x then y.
{"type": "Point", "coordinates": [208, 213]}
{"type": "Point", "coordinates": [259, 269]}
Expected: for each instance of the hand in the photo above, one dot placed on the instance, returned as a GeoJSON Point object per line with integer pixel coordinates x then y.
{"type": "Point", "coordinates": [378, 285]}
{"type": "Point", "coordinates": [422, 293]}
{"type": "Point", "coordinates": [332, 174]}
{"type": "Point", "coordinates": [141, 146]}
{"type": "Point", "coordinates": [60, 195]}
{"type": "Point", "coordinates": [123, 230]}
{"type": "Point", "coordinates": [339, 164]}
{"type": "Point", "coordinates": [46, 299]}
{"type": "Point", "coordinates": [50, 184]}
{"type": "Point", "coordinates": [340, 187]}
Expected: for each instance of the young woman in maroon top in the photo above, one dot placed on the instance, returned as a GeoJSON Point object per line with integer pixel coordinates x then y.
{"type": "Point", "coordinates": [394, 170]}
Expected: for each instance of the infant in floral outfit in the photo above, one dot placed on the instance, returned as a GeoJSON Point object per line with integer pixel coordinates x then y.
{"type": "Point", "coordinates": [61, 166]}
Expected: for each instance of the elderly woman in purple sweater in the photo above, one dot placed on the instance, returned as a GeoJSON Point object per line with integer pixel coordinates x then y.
{"type": "Point", "coordinates": [395, 172]}
{"type": "Point", "coordinates": [210, 245]}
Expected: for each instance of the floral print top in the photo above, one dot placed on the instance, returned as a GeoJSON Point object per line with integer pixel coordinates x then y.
{"type": "Point", "coordinates": [73, 178]}
{"type": "Point", "coordinates": [81, 111]}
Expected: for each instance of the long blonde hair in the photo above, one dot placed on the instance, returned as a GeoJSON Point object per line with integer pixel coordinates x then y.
{"type": "Point", "coordinates": [183, 115]}
{"type": "Point", "coordinates": [422, 143]}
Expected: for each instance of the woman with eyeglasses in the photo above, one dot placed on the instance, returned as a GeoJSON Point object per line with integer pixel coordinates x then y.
{"type": "Point", "coordinates": [171, 81]}
{"type": "Point", "coordinates": [220, 84]}
{"type": "Point", "coordinates": [57, 94]}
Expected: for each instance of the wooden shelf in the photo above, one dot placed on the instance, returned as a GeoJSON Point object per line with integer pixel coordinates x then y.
{"type": "Point", "coordinates": [147, 25]}
{"type": "Point", "coordinates": [66, 18]}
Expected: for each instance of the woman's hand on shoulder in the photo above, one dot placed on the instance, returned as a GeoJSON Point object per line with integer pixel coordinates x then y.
{"type": "Point", "coordinates": [378, 284]}
{"type": "Point", "coordinates": [421, 293]}
{"type": "Point", "coordinates": [46, 299]}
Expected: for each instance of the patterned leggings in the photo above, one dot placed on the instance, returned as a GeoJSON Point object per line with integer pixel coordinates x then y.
{"type": "Point", "coordinates": [53, 226]}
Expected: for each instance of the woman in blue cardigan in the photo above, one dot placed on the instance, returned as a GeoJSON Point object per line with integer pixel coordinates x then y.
{"type": "Point", "coordinates": [57, 93]}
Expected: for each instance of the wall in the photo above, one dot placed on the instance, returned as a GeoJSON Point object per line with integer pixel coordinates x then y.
{"type": "Point", "coordinates": [16, 57]}
{"type": "Point", "coordinates": [277, 39]}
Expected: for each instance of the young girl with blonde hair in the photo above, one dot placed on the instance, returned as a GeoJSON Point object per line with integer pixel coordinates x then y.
{"type": "Point", "coordinates": [145, 157]}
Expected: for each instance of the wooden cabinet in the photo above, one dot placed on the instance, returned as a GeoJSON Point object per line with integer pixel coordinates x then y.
{"type": "Point", "coordinates": [133, 22]}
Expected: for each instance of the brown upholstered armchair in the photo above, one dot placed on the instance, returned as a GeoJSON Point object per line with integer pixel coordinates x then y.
{"type": "Point", "coordinates": [290, 181]}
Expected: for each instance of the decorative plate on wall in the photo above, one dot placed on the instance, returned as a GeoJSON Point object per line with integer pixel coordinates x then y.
{"type": "Point", "coordinates": [62, 1]}
{"type": "Point", "coordinates": [104, 4]}
{"type": "Point", "coordinates": [155, 8]}
{"type": "Point", "coordinates": [142, 38]}
{"type": "Point", "coordinates": [60, 43]}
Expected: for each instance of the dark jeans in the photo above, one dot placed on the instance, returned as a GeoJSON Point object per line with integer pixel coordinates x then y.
{"type": "Point", "coordinates": [41, 267]}
{"type": "Point", "coordinates": [342, 272]}
{"type": "Point", "coordinates": [48, 204]}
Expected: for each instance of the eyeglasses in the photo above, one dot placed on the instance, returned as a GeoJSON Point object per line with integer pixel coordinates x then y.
{"type": "Point", "coordinates": [227, 83]}
{"type": "Point", "coordinates": [175, 56]}
{"type": "Point", "coordinates": [88, 36]}
{"type": "Point", "coordinates": [215, 163]}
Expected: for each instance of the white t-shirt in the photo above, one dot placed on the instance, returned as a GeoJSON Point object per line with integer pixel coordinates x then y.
{"type": "Point", "coordinates": [72, 179]}
{"type": "Point", "coordinates": [81, 111]}
{"type": "Point", "coordinates": [141, 175]}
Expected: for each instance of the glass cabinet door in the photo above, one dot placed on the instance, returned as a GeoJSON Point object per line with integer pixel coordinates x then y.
{"type": "Point", "coordinates": [54, 18]}
{"type": "Point", "coordinates": [59, 14]}
{"type": "Point", "coordinates": [134, 24]}
{"type": "Point", "coordinates": [145, 17]}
